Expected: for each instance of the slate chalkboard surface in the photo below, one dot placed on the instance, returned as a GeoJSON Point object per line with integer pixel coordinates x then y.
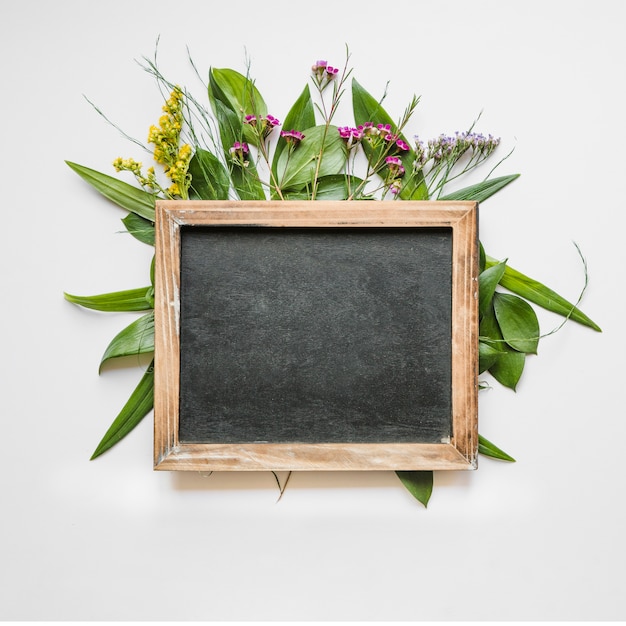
{"type": "Point", "coordinates": [315, 334]}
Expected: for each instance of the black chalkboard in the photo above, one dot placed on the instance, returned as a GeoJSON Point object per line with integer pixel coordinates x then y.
{"type": "Point", "coordinates": [315, 335]}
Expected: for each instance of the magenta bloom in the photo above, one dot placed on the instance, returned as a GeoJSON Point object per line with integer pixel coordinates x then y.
{"type": "Point", "coordinates": [266, 124]}
{"type": "Point", "coordinates": [240, 147]}
{"type": "Point", "coordinates": [292, 136]}
{"type": "Point", "coordinates": [395, 166]}
{"type": "Point", "coordinates": [402, 145]}
{"type": "Point", "coordinates": [349, 132]}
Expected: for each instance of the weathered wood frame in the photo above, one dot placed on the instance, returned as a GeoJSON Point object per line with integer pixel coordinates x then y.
{"type": "Point", "coordinates": [459, 453]}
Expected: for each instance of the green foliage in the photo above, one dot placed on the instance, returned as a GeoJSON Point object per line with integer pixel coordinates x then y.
{"type": "Point", "coordinates": [136, 338]}
{"type": "Point", "coordinates": [536, 292]}
{"type": "Point", "coordinates": [140, 228]}
{"type": "Point", "coordinates": [129, 300]}
{"type": "Point", "coordinates": [419, 484]}
{"type": "Point", "coordinates": [368, 109]}
{"type": "Point", "coordinates": [316, 159]}
{"type": "Point", "coordinates": [209, 178]}
{"type": "Point", "coordinates": [136, 408]}
{"type": "Point", "coordinates": [301, 115]}
{"type": "Point", "coordinates": [489, 449]}
{"type": "Point", "coordinates": [481, 191]}
{"type": "Point", "coordinates": [297, 169]}
{"type": "Point", "coordinates": [128, 197]}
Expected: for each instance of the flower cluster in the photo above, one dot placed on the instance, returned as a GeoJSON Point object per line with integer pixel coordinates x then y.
{"type": "Point", "coordinates": [323, 74]}
{"type": "Point", "coordinates": [166, 139]}
{"type": "Point", "coordinates": [135, 167]}
{"type": "Point", "coordinates": [437, 158]}
{"type": "Point", "coordinates": [374, 133]}
{"type": "Point", "coordinates": [446, 147]}
{"type": "Point", "coordinates": [239, 152]}
{"type": "Point", "coordinates": [167, 151]}
{"type": "Point", "coordinates": [263, 125]}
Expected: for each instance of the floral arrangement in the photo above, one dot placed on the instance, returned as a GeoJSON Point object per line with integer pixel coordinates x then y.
{"type": "Point", "coordinates": [233, 148]}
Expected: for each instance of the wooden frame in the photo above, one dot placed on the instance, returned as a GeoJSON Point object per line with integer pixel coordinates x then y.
{"type": "Point", "coordinates": [459, 451]}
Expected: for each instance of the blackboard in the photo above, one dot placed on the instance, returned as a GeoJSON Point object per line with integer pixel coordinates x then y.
{"type": "Point", "coordinates": [315, 335]}
{"type": "Point", "coordinates": [303, 339]}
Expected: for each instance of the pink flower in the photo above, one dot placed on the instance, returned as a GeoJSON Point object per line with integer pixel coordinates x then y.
{"type": "Point", "coordinates": [292, 136]}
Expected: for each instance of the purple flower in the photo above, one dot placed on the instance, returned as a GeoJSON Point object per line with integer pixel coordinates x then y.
{"type": "Point", "coordinates": [402, 145]}
{"type": "Point", "coordinates": [240, 146]}
{"type": "Point", "coordinates": [292, 136]}
{"type": "Point", "coordinates": [394, 163]}
{"type": "Point", "coordinates": [351, 135]}
{"type": "Point", "coordinates": [239, 152]}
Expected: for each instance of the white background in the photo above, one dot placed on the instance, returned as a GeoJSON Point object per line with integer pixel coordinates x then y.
{"type": "Point", "coordinates": [542, 539]}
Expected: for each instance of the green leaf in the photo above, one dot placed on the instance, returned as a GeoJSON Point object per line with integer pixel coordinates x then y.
{"type": "Point", "coordinates": [140, 228]}
{"type": "Point", "coordinates": [541, 295]}
{"type": "Point", "coordinates": [482, 258]}
{"type": "Point", "coordinates": [136, 408]}
{"type": "Point", "coordinates": [487, 356]}
{"type": "Point", "coordinates": [238, 91]}
{"type": "Point", "coordinates": [128, 197]}
{"type": "Point", "coordinates": [487, 282]}
{"type": "Point", "coordinates": [337, 187]}
{"type": "Point", "coordinates": [489, 449]}
{"type": "Point", "coordinates": [136, 338]}
{"type": "Point", "coordinates": [297, 167]}
{"type": "Point", "coordinates": [129, 300]}
{"type": "Point", "coordinates": [300, 116]}
{"type": "Point", "coordinates": [509, 364]}
{"type": "Point", "coordinates": [367, 109]}
{"type": "Point", "coordinates": [209, 178]}
{"type": "Point", "coordinates": [245, 180]}
{"type": "Point", "coordinates": [481, 191]}
{"type": "Point", "coordinates": [239, 94]}
{"type": "Point", "coordinates": [508, 368]}
{"type": "Point", "coordinates": [419, 484]}
{"type": "Point", "coordinates": [518, 322]}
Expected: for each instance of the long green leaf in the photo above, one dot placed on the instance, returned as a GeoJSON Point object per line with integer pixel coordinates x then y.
{"type": "Point", "coordinates": [239, 94]}
{"type": "Point", "coordinates": [129, 300]}
{"type": "Point", "coordinates": [487, 282]}
{"type": "Point", "coordinates": [489, 449]}
{"type": "Point", "coordinates": [481, 191]}
{"type": "Point", "coordinates": [245, 180]}
{"type": "Point", "coordinates": [541, 295]}
{"type": "Point", "coordinates": [238, 91]}
{"type": "Point", "coordinates": [300, 116]}
{"type": "Point", "coordinates": [128, 197]}
{"type": "Point", "coordinates": [367, 109]}
{"type": "Point", "coordinates": [518, 322]}
{"type": "Point", "coordinates": [419, 484]}
{"type": "Point", "coordinates": [136, 408]}
{"type": "Point", "coordinates": [136, 338]}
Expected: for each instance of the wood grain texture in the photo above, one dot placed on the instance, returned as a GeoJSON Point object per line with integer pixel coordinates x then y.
{"type": "Point", "coordinates": [459, 452]}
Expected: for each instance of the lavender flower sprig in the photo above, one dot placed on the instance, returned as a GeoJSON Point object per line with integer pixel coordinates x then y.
{"type": "Point", "coordinates": [438, 158]}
